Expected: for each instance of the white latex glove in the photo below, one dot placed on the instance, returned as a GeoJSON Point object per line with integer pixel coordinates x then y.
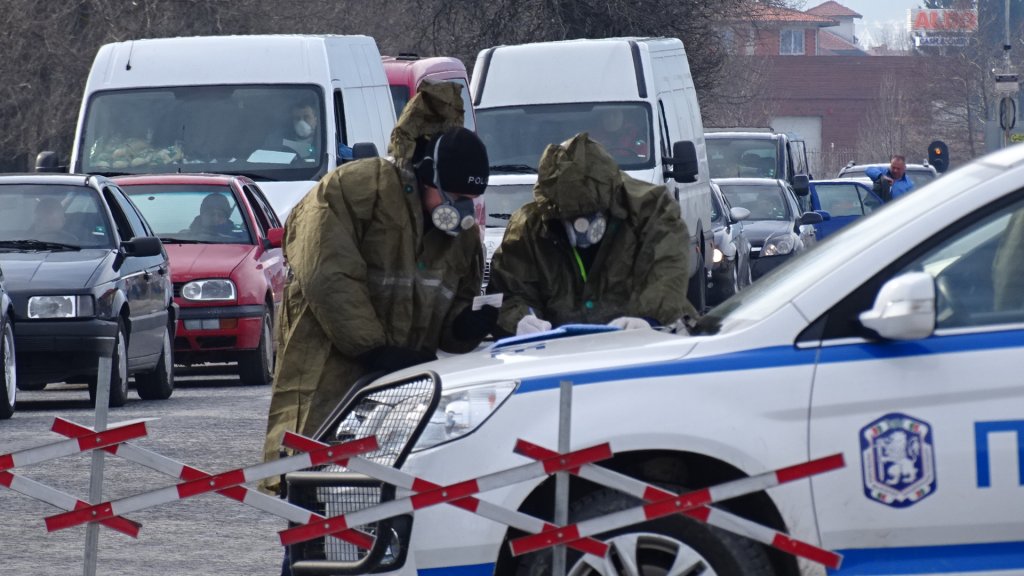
{"type": "Point", "coordinates": [530, 324]}
{"type": "Point", "coordinates": [630, 323]}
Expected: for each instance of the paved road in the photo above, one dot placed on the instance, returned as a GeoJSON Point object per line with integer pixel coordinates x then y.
{"type": "Point", "coordinates": [211, 421]}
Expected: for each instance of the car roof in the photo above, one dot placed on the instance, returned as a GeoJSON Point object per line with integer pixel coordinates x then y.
{"type": "Point", "coordinates": [860, 180]}
{"type": "Point", "coordinates": [745, 135]}
{"type": "Point", "coordinates": [919, 167]}
{"type": "Point", "coordinates": [748, 181]}
{"type": "Point", "coordinates": [175, 178]}
{"type": "Point", "coordinates": [48, 178]}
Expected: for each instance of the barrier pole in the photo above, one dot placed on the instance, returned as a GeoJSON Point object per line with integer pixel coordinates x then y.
{"type": "Point", "coordinates": [558, 553]}
{"type": "Point", "coordinates": [92, 531]}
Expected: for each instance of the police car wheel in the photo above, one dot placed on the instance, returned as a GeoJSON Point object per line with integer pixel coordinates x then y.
{"type": "Point", "coordinates": [671, 545]}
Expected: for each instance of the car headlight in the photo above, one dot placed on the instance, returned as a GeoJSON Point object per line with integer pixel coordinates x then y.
{"type": "Point", "coordinates": [462, 410]}
{"type": "Point", "coordinates": [779, 245]}
{"type": "Point", "coordinates": [49, 307]}
{"type": "Point", "coordinates": [717, 256]}
{"type": "Point", "coordinates": [206, 290]}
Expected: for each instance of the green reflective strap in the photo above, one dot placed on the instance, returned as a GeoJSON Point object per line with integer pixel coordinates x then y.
{"type": "Point", "coordinates": [579, 262]}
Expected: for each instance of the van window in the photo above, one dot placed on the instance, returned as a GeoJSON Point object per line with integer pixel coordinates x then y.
{"type": "Point", "coordinates": [517, 135]}
{"type": "Point", "coordinates": [666, 152]}
{"type": "Point", "coordinates": [273, 132]}
{"type": "Point", "coordinates": [400, 97]}
{"type": "Point", "coordinates": [341, 131]}
{"type": "Point", "coordinates": [742, 157]}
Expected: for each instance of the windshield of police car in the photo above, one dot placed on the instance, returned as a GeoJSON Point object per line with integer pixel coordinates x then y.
{"type": "Point", "coordinates": [253, 130]}
{"type": "Point", "coordinates": [742, 157]}
{"type": "Point", "coordinates": [516, 136]}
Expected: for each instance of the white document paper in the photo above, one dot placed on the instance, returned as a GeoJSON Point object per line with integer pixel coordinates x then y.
{"type": "Point", "coordinates": [488, 300]}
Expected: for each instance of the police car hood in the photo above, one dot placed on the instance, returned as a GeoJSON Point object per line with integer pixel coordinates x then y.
{"type": "Point", "coordinates": [555, 354]}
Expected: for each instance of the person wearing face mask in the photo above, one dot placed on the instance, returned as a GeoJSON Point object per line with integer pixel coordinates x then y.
{"type": "Point", "coordinates": [304, 139]}
{"type": "Point", "coordinates": [595, 246]}
{"type": "Point", "coordinates": [385, 262]}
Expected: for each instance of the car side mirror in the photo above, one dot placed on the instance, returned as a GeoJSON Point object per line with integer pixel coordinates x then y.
{"type": "Point", "coordinates": [683, 162]}
{"type": "Point", "coordinates": [811, 218]}
{"type": "Point", "coordinates": [142, 247]}
{"type": "Point", "coordinates": [275, 237]}
{"type": "Point", "coordinates": [362, 150]}
{"type": "Point", "coordinates": [825, 215]}
{"type": "Point", "coordinates": [47, 161]}
{"type": "Point", "coordinates": [801, 185]}
{"type": "Point", "coordinates": [904, 308]}
{"type": "Point", "coordinates": [739, 213]}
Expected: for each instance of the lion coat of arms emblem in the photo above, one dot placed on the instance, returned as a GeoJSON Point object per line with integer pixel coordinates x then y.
{"type": "Point", "coordinates": [898, 459]}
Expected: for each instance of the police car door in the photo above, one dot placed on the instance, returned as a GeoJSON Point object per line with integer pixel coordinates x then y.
{"type": "Point", "coordinates": [932, 429]}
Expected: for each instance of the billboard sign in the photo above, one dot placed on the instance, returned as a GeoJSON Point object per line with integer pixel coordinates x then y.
{"type": "Point", "coordinates": [931, 21]}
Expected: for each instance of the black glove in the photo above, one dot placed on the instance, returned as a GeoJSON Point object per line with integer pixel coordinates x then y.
{"type": "Point", "coordinates": [475, 324]}
{"type": "Point", "coordinates": [392, 358]}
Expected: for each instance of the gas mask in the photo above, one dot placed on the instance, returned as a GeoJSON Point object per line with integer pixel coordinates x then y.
{"type": "Point", "coordinates": [453, 216]}
{"type": "Point", "coordinates": [585, 231]}
{"type": "Point", "coordinates": [303, 129]}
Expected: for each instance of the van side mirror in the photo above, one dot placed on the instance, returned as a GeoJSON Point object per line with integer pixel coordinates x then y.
{"type": "Point", "coordinates": [904, 308]}
{"type": "Point", "coordinates": [275, 237]}
{"type": "Point", "coordinates": [142, 247]}
{"type": "Point", "coordinates": [683, 162]}
{"type": "Point", "coordinates": [362, 150]}
{"type": "Point", "coordinates": [801, 185]}
{"type": "Point", "coordinates": [47, 161]}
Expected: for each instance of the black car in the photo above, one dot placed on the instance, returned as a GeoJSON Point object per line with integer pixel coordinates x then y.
{"type": "Point", "coordinates": [87, 278]}
{"type": "Point", "coordinates": [730, 262]}
{"type": "Point", "coordinates": [776, 227]}
{"type": "Point", "coordinates": [9, 387]}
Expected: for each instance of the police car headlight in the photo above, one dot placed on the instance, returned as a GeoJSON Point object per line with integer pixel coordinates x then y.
{"type": "Point", "coordinates": [209, 290]}
{"type": "Point", "coordinates": [779, 245]}
{"type": "Point", "coordinates": [462, 410]}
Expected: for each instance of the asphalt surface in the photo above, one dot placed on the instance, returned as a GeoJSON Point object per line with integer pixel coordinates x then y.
{"type": "Point", "coordinates": [211, 422]}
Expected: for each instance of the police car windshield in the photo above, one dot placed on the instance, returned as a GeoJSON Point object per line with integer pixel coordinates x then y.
{"type": "Point", "coordinates": [780, 286]}
{"type": "Point", "coordinates": [518, 135]}
{"type": "Point", "coordinates": [223, 129]}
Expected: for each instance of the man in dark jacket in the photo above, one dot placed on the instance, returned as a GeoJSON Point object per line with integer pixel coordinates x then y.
{"type": "Point", "coordinates": [594, 246]}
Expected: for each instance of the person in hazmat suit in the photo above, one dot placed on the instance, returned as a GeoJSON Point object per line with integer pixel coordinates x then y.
{"type": "Point", "coordinates": [385, 260]}
{"type": "Point", "coordinates": [595, 246]}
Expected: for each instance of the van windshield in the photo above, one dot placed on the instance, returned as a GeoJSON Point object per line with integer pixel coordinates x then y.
{"type": "Point", "coordinates": [265, 132]}
{"type": "Point", "coordinates": [742, 157]}
{"type": "Point", "coordinates": [517, 135]}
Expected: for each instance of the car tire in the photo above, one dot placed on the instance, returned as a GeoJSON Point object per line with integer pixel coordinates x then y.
{"type": "Point", "coordinates": [9, 387]}
{"type": "Point", "coordinates": [159, 384]}
{"type": "Point", "coordinates": [256, 367]}
{"type": "Point", "coordinates": [697, 291]}
{"type": "Point", "coordinates": [118, 371]}
{"type": "Point", "coordinates": [655, 547]}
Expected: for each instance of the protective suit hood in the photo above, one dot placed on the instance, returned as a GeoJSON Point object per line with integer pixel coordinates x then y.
{"type": "Point", "coordinates": [434, 109]}
{"type": "Point", "coordinates": [578, 178]}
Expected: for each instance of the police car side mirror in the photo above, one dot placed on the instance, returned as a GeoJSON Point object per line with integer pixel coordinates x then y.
{"type": "Point", "coordinates": [904, 308]}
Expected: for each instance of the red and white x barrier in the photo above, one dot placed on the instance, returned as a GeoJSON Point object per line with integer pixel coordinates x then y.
{"type": "Point", "coordinates": [483, 508]}
{"type": "Point", "coordinates": [113, 436]}
{"type": "Point", "coordinates": [335, 454]}
{"type": "Point", "coordinates": [579, 536]}
{"type": "Point", "coordinates": [171, 467]}
{"type": "Point", "coordinates": [713, 516]}
{"type": "Point", "coordinates": [443, 494]}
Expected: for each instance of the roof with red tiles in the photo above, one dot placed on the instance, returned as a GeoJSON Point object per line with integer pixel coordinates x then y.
{"type": "Point", "coordinates": [829, 42]}
{"type": "Point", "coordinates": [832, 9]}
{"type": "Point", "coordinates": [776, 15]}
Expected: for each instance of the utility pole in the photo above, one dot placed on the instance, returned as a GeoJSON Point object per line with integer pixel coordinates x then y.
{"type": "Point", "coordinates": [1007, 83]}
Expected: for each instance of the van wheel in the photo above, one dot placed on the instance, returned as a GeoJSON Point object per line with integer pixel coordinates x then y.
{"type": "Point", "coordinates": [118, 371]}
{"type": "Point", "coordinates": [697, 291]}
{"type": "Point", "coordinates": [670, 545]}
{"type": "Point", "coordinates": [256, 367]}
{"type": "Point", "coordinates": [158, 384]}
{"type": "Point", "coordinates": [9, 387]}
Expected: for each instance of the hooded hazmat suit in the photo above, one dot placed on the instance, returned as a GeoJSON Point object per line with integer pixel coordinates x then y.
{"type": "Point", "coordinates": [365, 274]}
{"type": "Point", "coordinates": [640, 268]}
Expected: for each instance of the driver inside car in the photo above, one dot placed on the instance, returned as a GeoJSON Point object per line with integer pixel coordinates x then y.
{"type": "Point", "coordinates": [213, 216]}
{"type": "Point", "coordinates": [49, 222]}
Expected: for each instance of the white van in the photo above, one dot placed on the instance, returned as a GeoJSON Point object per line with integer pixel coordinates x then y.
{"type": "Point", "coordinates": [634, 95]}
{"type": "Point", "coordinates": [231, 104]}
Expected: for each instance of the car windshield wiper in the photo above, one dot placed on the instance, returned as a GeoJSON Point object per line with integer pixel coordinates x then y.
{"type": "Point", "coordinates": [514, 168]}
{"type": "Point", "coordinates": [500, 216]}
{"type": "Point", "coordinates": [38, 245]}
{"type": "Point", "coordinates": [170, 240]}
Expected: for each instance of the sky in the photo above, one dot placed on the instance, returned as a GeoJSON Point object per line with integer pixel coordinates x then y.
{"type": "Point", "coordinates": [876, 13]}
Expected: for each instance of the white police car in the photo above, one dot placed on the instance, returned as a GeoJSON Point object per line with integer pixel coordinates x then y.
{"type": "Point", "coordinates": [899, 342]}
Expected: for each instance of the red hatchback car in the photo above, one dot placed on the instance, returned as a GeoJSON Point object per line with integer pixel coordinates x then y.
{"type": "Point", "coordinates": [224, 243]}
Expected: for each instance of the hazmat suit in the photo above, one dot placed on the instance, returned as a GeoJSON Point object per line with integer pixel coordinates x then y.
{"type": "Point", "coordinates": [640, 266]}
{"type": "Point", "coordinates": [366, 275]}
